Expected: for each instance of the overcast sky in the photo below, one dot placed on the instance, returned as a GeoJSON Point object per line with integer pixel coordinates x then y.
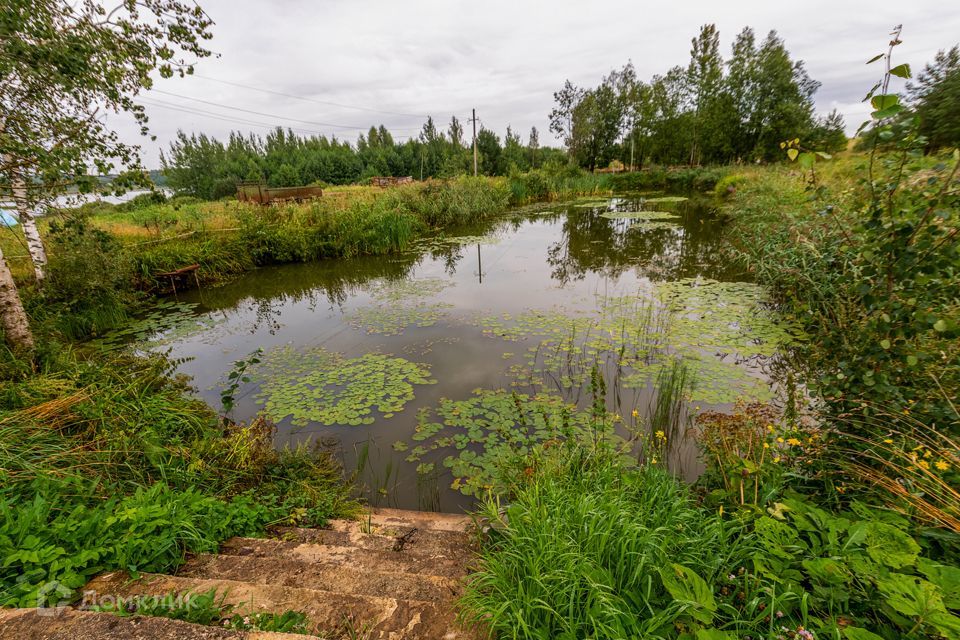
{"type": "Point", "coordinates": [395, 62]}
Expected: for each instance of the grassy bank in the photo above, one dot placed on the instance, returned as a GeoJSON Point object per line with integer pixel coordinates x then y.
{"type": "Point", "coordinates": [587, 544]}
{"type": "Point", "coordinates": [872, 276]}
{"type": "Point", "coordinates": [105, 463]}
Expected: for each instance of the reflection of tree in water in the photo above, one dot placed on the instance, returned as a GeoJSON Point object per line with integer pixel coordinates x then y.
{"type": "Point", "coordinates": [593, 243]}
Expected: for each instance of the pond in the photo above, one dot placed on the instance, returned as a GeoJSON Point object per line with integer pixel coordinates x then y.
{"type": "Point", "coordinates": [413, 367]}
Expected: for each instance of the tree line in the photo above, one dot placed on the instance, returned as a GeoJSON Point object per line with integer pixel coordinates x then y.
{"type": "Point", "coordinates": [711, 111]}
{"type": "Point", "coordinates": [208, 168]}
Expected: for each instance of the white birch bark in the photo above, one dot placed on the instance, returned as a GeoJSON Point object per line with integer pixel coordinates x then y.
{"type": "Point", "coordinates": [13, 318]}
{"type": "Point", "coordinates": [29, 225]}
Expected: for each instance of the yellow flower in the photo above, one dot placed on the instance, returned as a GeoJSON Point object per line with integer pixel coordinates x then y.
{"type": "Point", "coordinates": [923, 464]}
{"type": "Point", "coordinates": [766, 445]}
{"type": "Point", "coordinates": [777, 459]}
{"type": "Point", "coordinates": [926, 454]}
{"type": "Point", "coordinates": [661, 435]}
{"type": "Point", "coordinates": [942, 465]}
{"type": "Point", "coordinates": [906, 412]}
{"type": "Point", "coordinates": [793, 442]}
{"type": "Point", "coordinates": [888, 441]}
{"type": "Point", "coordinates": [770, 427]}
{"type": "Point", "coordinates": [780, 440]}
{"type": "Point", "coordinates": [721, 509]}
{"type": "Point", "coordinates": [635, 413]}
{"type": "Point", "coordinates": [653, 460]}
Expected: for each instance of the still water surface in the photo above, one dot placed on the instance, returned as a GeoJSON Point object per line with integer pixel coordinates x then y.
{"type": "Point", "coordinates": [449, 304]}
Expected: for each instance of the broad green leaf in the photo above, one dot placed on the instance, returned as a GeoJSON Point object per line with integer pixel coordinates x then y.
{"type": "Point", "coordinates": [890, 546]}
{"type": "Point", "coordinates": [806, 160]}
{"type": "Point", "coordinates": [940, 325]}
{"type": "Point", "coordinates": [686, 586]}
{"type": "Point", "coordinates": [946, 623]}
{"type": "Point", "coordinates": [901, 71]}
{"type": "Point", "coordinates": [911, 596]}
{"type": "Point", "coordinates": [946, 578]}
{"type": "Point", "coordinates": [885, 344]}
{"type": "Point", "coordinates": [884, 101]}
{"type": "Point", "coordinates": [856, 633]}
{"type": "Point", "coordinates": [824, 155]}
{"type": "Point", "coordinates": [889, 112]}
{"type": "Point", "coordinates": [792, 153]}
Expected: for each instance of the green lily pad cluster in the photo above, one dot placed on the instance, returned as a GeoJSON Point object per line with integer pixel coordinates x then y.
{"type": "Point", "coordinates": [491, 427]}
{"type": "Point", "coordinates": [642, 216]}
{"type": "Point", "coordinates": [445, 242]}
{"type": "Point", "coordinates": [714, 326]}
{"type": "Point", "coordinates": [401, 304]}
{"type": "Point", "coordinates": [725, 316]}
{"type": "Point", "coordinates": [666, 199]}
{"type": "Point", "coordinates": [321, 387]}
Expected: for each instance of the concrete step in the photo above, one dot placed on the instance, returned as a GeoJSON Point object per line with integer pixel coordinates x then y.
{"type": "Point", "coordinates": [331, 614]}
{"type": "Point", "coordinates": [71, 624]}
{"type": "Point", "coordinates": [295, 572]}
{"type": "Point", "coordinates": [383, 517]}
{"type": "Point", "coordinates": [448, 564]}
{"type": "Point", "coordinates": [415, 540]}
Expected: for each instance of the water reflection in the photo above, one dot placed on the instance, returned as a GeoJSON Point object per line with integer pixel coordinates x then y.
{"type": "Point", "coordinates": [553, 258]}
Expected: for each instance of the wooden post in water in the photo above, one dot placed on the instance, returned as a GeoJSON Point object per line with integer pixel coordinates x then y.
{"type": "Point", "coordinates": [479, 264]}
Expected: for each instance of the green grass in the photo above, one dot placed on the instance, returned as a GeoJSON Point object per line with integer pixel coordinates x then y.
{"type": "Point", "coordinates": [579, 550]}
{"type": "Point", "coordinates": [587, 545]}
{"type": "Point", "coordinates": [108, 464]}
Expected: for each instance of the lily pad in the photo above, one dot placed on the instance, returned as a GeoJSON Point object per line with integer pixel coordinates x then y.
{"type": "Point", "coordinates": [321, 387]}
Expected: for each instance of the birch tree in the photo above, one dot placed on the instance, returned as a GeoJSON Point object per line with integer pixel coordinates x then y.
{"type": "Point", "coordinates": [63, 66]}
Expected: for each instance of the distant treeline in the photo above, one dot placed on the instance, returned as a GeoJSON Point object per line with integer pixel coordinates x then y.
{"type": "Point", "coordinates": [207, 168]}
{"type": "Point", "coordinates": [711, 111]}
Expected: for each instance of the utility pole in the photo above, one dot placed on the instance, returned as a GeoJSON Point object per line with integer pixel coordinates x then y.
{"type": "Point", "coordinates": [474, 120]}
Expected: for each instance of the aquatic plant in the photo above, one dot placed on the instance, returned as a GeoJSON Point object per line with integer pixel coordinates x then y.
{"type": "Point", "coordinates": [400, 304]}
{"type": "Point", "coordinates": [491, 428]}
{"type": "Point", "coordinates": [319, 386]}
{"type": "Point", "coordinates": [639, 215]}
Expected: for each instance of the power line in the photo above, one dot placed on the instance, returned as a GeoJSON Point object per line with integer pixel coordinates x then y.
{"type": "Point", "coordinates": [153, 102]}
{"type": "Point", "coordinates": [217, 116]}
{"type": "Point", "coordinates": [304, 98]}
{"type": "Point", "coordinates": [261, 113]}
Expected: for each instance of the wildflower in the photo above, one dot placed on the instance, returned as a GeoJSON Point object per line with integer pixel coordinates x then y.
{"type": "Point", "coordinates": [780, 440]}
{"type": "Point", "coordinates": [793, 442]}
{"type": "Point", "coordinates": [731, 577]}
{"type": "Point", "coordinates": [766, 445]}
{"type": "Point", "coordinates": [721, 510]}
{"type": "Point", "coordinates": [779, 614]}
{"type": "Point", "coordinates": [770, 428]}
{"type": "Point", "coordinates": [777, 459]}
{"type": "Point", "coordinates": [635, 413]}
{"type": "Point", "coordinates": [906, 412]}
{"type": "Point", "coordinates": [653, 460]}
{"type": "Point", "coordinates": [926, 454]}
{"type": "Point", "coordinates": [661, 435]}
{"type": "Point", "coordinates": [888, 441]}
{"type": "Point", "coordinates": [923, 464]}
{"type": "Point", "coordinates": [942, 465]}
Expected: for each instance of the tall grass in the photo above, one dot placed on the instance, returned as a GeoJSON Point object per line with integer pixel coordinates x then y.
{"type": "Point", "coordinates": [107, 464]}
{"type": "Point", "coordinates": [579, 550]}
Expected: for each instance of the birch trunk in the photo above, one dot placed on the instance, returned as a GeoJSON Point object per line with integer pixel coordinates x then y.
{"type": "Point", "coordinates": [29, 225]}
{"type": "Point", "coordinates": [13, 318]}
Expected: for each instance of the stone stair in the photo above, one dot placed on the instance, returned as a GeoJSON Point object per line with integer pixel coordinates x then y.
{"type": "Point", "coordinates": [392, 575]}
